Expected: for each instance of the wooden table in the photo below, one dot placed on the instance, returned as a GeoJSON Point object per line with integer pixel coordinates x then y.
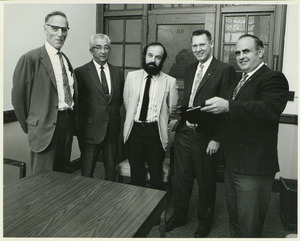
{"type": "Point", "coordinates": [56, 204]}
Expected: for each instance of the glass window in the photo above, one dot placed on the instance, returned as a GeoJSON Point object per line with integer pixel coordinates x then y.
{"type": "Point", "coordinates": [133, 30]}
{"type": "Point", "coordinates": [234, 27]}
{"type": "Point", "coordinates": [132, 55]}
{"type": "Point", "coordinates": [260, 26]}
{"type": "Point", "coordinates": [115, 33]}
{"type": "Point", "coordinates": [116, 54]}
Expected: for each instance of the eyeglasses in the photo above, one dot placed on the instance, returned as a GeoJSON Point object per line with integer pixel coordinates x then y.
{"type": "Point", "coordinates": [99, 48]}
{"type": "Point", "coordinates": [56, 28]}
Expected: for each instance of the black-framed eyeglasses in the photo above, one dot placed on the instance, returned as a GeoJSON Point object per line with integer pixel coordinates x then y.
{"type": "Point", "coordinates": [56, 28]}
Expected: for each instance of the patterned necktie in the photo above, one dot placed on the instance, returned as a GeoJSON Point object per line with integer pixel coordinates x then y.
{"type": "Point", "coordinates": [239, 85]}
{"type": "Point", "coordinates": [196, 85]}
{"type": "Point", "coordinates": [104, 81]}
{"type": "Point", "coordinates": [145, 103]}
{"type": "Point", "coordinates": [66, 86]}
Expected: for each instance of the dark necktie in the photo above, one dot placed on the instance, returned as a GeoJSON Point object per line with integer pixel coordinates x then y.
{"type": "Point", "coordinates": [239, 85]}
{"type": "Point", "coordinates": [145, 103]}
{"type": "Point", "coordinates": [66, 86]}
{"type": "Point", "coordinates": [104, 81]}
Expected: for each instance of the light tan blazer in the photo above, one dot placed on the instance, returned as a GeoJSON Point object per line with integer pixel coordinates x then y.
{"type": "Point", "coordinates": [167, 98]}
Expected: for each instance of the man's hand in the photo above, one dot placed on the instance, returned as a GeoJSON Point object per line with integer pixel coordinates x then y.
{"type": "Point", "coordinates": [212, 147]}
{"type": "Point", "coordinates": [216, 105]}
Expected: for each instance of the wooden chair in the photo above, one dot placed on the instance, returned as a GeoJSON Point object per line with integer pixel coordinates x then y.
{"type": "Point", "coordinates": [123, 168]}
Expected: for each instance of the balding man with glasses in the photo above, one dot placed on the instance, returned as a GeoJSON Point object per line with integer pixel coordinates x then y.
{"type": "Point", "coordinates": [44, 97]}
{"type": "Point", "coordinates": [100, 98]}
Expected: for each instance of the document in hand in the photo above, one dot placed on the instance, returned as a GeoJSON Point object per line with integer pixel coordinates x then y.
{"type": "Point", "coordinates": [193, 114]}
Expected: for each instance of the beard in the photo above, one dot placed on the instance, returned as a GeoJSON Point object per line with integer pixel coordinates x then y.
{"type": "Point", "coordinates": [152, 68]}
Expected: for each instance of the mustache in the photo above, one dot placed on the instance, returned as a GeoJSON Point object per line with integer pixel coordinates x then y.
{"type": "Point", "coordinates": [152, 64]}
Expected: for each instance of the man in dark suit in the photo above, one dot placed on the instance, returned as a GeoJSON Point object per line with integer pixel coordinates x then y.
{"type": "Point", "coordinates": [249, 137]}
{"type": "Point", "coordinates": [197, 144]}
{"type": "Point", "coordinates": [100, 97]}
{"type": "Point", "coordinates": [44, 96]}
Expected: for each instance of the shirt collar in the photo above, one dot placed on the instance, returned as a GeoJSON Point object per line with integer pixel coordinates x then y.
{"type": "Point", "coordinates": [98, 65]}
{"type": "Point", "coordinates": [206, 63]}
{"type": "Point", "coordinates": [252, 72]}
{"type": "Point", "coordinates": [50, 49]}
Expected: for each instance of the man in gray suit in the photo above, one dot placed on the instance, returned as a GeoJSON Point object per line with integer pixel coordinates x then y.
{"type": "Point", "coordinates": [44, 95]}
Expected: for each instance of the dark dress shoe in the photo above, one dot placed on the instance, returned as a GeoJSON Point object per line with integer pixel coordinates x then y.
{"type": "Point", "coordinates": [173, 223]}
{"type": "Point", "coordinates": [202, 231]}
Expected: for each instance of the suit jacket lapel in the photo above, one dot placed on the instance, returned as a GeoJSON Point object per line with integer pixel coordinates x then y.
{"type": "Point", "coordinates": [161, 87]}
{"type": "Point", "coordinates": [113, 79]}
{"type": "Point", "coordinates": [209, 72]}
{"type": "Point", "coordinates": [189, 84]}
{"type": "Point", "coordinates": [46, 62]}
{"type": "Point", "coordinates": [251, 79]}
{"type": "Point", "coordinates": [95, 78]}
{"type": "Point", "coordinates": [137, 86]}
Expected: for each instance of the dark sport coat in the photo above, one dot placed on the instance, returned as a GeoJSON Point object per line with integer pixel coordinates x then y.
{"type": "Point", "coordinates": [219, 80]}
{"type": "Point", "coordinates": [249, 135]}
{"type": "Point", "coordinates": [97, 112]}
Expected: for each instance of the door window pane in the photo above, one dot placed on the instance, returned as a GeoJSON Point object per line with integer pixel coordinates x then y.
{"type": "Point", "coordinates": [132, 55]}
{"type": "Point", "coordinates": [116, 31]}
{"type": "Point", "coordinates": [116, 55]}
{"type": "Point", "coordinates": [234, 27]}
{"type": "Point", "coordinates": [133, 30]}
{"type": "Point", "coordinates": [229, 55]}
{"type": "Point", "coordinates": [259, 26]}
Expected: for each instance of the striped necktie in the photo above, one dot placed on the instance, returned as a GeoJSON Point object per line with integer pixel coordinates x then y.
{"type": "Point", "coordinates": [239, 85]}
{"type": "Point", "coordinates": [67, 91]}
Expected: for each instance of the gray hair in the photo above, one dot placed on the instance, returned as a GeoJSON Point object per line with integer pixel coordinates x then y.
{"type": "Point", "coordinates": [98, 35]}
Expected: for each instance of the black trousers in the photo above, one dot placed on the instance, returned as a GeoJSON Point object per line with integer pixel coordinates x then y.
{"type": "Point", "coordinates": [90, 154]}
{"type": "Point", "coordinates": [190, 162]}
{"type": "Point", "coordinates": [144, 146]}
{"type": "Point", "coordinates": [57, 155]}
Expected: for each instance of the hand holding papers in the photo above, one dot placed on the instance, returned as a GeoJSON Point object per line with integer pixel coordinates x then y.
{"type": "Point", "coordinates": [193, 114]}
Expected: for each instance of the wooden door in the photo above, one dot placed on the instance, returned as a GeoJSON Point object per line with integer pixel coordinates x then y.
{"type": "Point", "coordinates": [174, 32]}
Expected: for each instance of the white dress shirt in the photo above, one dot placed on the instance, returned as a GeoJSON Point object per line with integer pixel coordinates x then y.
{"type": "Point", "coordinates": [205, 67]}
{"type": "Point", "coordinates": [54, 58]}
{"type": "Point", "coordinates": [152, 110]}
{"type": "Point", "coordinates": [107, 74]}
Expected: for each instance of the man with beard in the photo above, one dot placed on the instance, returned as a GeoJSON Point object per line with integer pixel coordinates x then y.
{"type": "Point", "coordinates": [150, 98]}
{"type": "Point", "coordinates": [197, 141]}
